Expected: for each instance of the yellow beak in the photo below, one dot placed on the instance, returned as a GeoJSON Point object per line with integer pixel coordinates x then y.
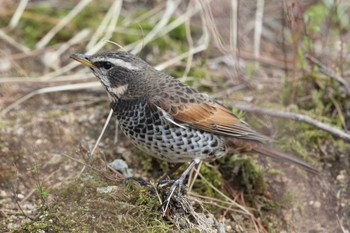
{"type": "Point", "coordinates": [82, 58]}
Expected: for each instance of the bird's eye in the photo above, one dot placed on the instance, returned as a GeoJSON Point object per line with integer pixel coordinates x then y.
{"type": "Point", "coordinates": [104, 64]}
{"type": "Point", "coordinates": [107, 65]}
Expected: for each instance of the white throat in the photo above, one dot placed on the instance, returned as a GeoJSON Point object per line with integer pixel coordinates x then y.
{"type": "Point", "coordinates": [117, 91]}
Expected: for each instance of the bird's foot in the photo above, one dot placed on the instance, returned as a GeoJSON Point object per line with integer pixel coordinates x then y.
{"type": "Point", "coordinates": [175, 184]}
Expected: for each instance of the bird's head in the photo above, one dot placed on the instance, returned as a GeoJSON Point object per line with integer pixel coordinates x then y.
{"type": "Point", "coordinates": [121, 73]}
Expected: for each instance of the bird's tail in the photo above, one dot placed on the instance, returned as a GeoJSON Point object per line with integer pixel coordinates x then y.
{"type": "Point", "coordinates": [275, 154]}
{"type": "Point", "coordinates": [249, 146]}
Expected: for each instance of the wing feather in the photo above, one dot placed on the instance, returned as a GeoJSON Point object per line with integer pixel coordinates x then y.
{"type": "Point", "coordinates": [212, 117]}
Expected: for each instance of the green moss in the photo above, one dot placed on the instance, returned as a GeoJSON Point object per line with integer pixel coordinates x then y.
{"type": "Point", "coordinates": [214, 177]}
{"type": "Point", "coordinates": [288, 200]}
{"type": "Point", "coordinates": [178, 33]}
{"type": "Point", "coordinates": [79, 207]}
{"type": "Point", "coordinates": [299, 138]}
{"type": "Point", "coordinates": [198, 72]}
{"type": "Point", "coordinates": [151, 165]}
{"type": "Point", "coordinates": [248, 175]}
{"type": "Point", "coordinates": [32, 29]}
{"type": "Point", "coordinates": [55, 114]}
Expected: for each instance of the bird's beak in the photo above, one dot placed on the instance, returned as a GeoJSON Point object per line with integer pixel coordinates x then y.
{"type": "Point", "coordinates": [82, 58]}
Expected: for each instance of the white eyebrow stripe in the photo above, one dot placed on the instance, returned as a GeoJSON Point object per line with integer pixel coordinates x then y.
{"type": "Point", "coordinates": [118, 62]}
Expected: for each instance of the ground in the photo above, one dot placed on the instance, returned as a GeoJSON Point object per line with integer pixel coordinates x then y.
{"type": "Point", "coordinates": [51, 183]}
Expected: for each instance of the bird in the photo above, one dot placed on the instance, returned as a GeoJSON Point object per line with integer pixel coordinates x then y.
{"type": "Point", "coordinates": [170, 120]}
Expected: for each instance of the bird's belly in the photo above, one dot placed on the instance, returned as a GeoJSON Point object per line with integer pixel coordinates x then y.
{"type": "Point", "coordinates": [172, 143]}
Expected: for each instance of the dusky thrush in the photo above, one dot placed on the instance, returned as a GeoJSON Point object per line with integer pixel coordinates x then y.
{"type": "Point", "coordinates": [170, 120]}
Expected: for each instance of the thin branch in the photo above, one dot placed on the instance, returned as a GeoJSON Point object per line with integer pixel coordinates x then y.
{"type": "Point", "coordinates": [329, 72]}
{"type": "Point", "coordinates": [105, 29]}
{"type": "Point", "coordinates": [298, 117]}
{"type": "Point", "coordinates": [208, 19]}
{"type": "Point", "coordinates": [341, 225]}
{"type": "Point", "coordinates": [102, 132]}
{"type": "Point", "coordinates": [76, 10]}
{"type": "Point", "coordinates": [190, 46]}
{"type": "Point", "coordinates": [258, 28]}
{"type": "Point", "coordinates": [18, 13]}
{"type": "Point", "coordinates": [8, 39]}
{"type": "Point", "coordinates": [68, 87]}
{"type": "Point", "coordinates": [169, 11]}
{"type": "Point", "coordinates": [234, 26]}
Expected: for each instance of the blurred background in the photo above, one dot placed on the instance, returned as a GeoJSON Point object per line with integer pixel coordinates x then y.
{"type": "Point", "coordinates": [259, 58]}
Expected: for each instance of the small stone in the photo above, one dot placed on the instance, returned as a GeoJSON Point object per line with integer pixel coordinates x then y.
{"type": "Point", "coordinates": [108, 189]}
{"type": "Point", "coordinates": [122, 166]}
{"type": "Point", "coordinates": [3, 194]}
{"type": "Point", "coordinates": [317, 204]}
{"type": "Point", "coordinates": [5, 150]}
{"type": "Point", "coordinates": [5, 64]}
{"type": "Point", "coordinates": [38, 142]}
{"type": "Point", "coordinates": [56, 159]}
{"type": "Point", "coordinates": [342, 175]}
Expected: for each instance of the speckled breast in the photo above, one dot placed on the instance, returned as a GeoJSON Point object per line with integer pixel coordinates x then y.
{"type": "Point", "coordinates": [151, 132]}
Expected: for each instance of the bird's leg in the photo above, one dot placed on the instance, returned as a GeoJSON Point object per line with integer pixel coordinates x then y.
{"type": "Point", "coordinates": [170, 172]}
{"type": "Point", "coordinates": [178, 183]}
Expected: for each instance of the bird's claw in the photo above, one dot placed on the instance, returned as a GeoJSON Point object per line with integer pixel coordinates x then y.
{"type": "Point", "coordinates": [175, 184]}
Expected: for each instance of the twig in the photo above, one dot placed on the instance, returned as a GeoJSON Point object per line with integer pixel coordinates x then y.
{"type": "Point", "coordinates": [329, 72]}
{"type": "Point", "coordinates": [17, 15]}
{"type": "Point", "coordinates": [146, 16]}
{"type": "Point", "coordinates": [68, 87]}
{"type": "Point", "coordinates": [46, 39]}
{"type": "Point", "coordinates": [341, 225]}
{"type": "Point", "coordinates": [181, 19]}
{"type": "Point", "coordinates": [169, 11]}
{"type": "Point", "coordinates": [102, 132]}
{"type": "Point", "coordinates": [258, 28]}
{"type": "Point", "coordinates": [298, 117]}
{"type": "Point", "coordinates": [77, 38]}
{"type": "Point", "coordinates": [208, 19]}
{"type": "Point", "coordinates": [12, 42]}
{"type": "Point", "coordinates": [215, 202]}
{"type": "Point", "coordinates": [191, 180]}
{"type": "Point", "coordinates": [43, 79]}
{"type": "Point", "coordinates": [176, 59]}
{"type": "Point", "coordinates": [101, 29]}
{"type": "Point", "coordinates": [247, 212]}
{"type": "Point", "coordinates": [234, 26]}
{"type": "Point", "coordinates": [190, 45]}
{"type": "Point", "coordinates": [106, 28]}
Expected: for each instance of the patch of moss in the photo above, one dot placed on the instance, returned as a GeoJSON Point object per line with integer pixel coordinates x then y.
{"type": "Point", "coordinates": [299, 138]}
{"type": "Point", "coordinates": [151, 165]}
{"type": "Point", "coordinates": [33, 29]}
{"type": "Point", "coordinates": [178, 33]}
{"type": "Point", "coordinates": [33, 26]}
{"type": "Point", "coordinates": [80, 207]}
{"type": "Point", "coordinates": [244, 174]}
{"type": "Point", "coordinates": [213, 176]}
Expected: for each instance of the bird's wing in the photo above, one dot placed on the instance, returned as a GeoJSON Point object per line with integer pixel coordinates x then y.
{"type": "Point", "coordinates": [211, 117]}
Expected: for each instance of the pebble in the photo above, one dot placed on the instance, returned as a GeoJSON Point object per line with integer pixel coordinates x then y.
{"type": "Point", "coordinates": [108, 189]}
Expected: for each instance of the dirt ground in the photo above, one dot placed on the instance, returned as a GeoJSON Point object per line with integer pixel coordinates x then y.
{"type": "Point", "coordinates": [50, 183]}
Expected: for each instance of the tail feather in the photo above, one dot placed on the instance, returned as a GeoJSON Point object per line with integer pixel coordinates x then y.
{"type": "Point", "coordinates": [275, 154]}
{"type": "Point", "coordinates": [241, 145]}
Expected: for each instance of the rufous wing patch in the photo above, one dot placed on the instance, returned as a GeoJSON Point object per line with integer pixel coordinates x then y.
{"type": "Point", "coordinates": [205, 115]}
{"type": "Point", "coordinates": [215, 118]}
